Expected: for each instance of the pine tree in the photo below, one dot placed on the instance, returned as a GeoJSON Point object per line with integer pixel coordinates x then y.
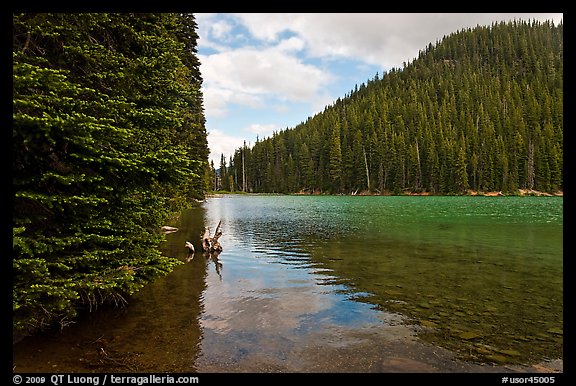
{"type": "Point", "coordinates": [224, 181]}
{"type": "Point", "coordinates": [106, 110]}
{"type": "Point", "coordinates": [335, 161]}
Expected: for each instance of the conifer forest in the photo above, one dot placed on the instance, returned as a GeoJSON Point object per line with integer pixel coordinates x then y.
{"type": "Point", "coordinates": [480, 110]}
{"type": "Point", "coordinates": [108, 142]}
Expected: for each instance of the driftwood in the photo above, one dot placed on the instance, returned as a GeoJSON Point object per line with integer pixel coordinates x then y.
{"type": "Point", "coordinates": [206, 240]}
{"type": "Point", "coordinates": [190, 247]}
{"type": "Point", "coordinates": [166, 229]}
{"type": "Point", "coordinates": [211, 244]}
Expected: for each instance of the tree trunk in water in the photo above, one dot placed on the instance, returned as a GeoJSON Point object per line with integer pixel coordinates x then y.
{"type": "Point", "coordinates": [211, 244]}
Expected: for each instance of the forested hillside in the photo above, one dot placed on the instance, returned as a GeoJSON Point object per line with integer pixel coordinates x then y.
{"type": "Point", "coordinates": [480, 110]}
{"type": "Point", "coordinates": [108, 141]}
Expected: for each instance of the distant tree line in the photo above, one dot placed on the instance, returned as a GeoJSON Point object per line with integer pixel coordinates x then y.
{"type": "Point", "coordinates": [481, 110]}
{"type": "Point", "coordinates": [108, 141]}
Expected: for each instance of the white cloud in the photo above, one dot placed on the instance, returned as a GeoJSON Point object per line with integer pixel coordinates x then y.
{"type": "Point", "coordinates": [248, 75]}
{"type": "Point", "coordinates": [221, 30]}
{"type": "Point", "coordinates": [268, 26]}
{"type": "Point", "coordinates": [205, 22]}
{"type": "Point", "coordinates": [254, 73]}
{"type": "Point", "coordinates": [217, 99]}
{"type": "Point", "coordinates": [385, 39]}
{"type": "Point", "coordinates": [291, 44]}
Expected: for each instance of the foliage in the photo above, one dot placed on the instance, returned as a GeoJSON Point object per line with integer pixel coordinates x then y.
{"type": "Point", "coordinates": [108, 141]}
{"type": "Point", "coordinates": [481, 110]}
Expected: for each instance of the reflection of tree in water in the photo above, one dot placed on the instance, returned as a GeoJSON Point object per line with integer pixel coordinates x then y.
{"type": "Point", "coordinates": [213, 257]}
{"type": "Point", "coordinates": [210, 256]}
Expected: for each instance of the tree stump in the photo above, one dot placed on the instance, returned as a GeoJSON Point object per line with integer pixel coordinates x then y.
{"type": "Point", "coordinates": [211, 243]}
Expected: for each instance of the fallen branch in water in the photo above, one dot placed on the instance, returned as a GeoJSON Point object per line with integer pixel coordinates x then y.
{"type": "Point", "coordinates": [211, 244]}
{"type": "Point", "coordinates": [167, 229]}
{"type": "Point", "coordinates": [190, 247]}
{"type": "Point", "coordinates": [119, 362]}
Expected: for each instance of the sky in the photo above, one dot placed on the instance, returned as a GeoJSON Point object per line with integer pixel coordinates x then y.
{"type": "Point", "coordinates": [269, 72]}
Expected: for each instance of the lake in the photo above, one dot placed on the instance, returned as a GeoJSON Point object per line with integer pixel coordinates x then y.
{"type": "Point", "coordinates": [338, 283]}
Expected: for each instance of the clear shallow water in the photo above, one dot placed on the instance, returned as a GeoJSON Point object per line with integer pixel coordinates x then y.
{"type": "Point", "coordinates": [482, 275]}
{"type": "Point", "coordinates": [310, 283]}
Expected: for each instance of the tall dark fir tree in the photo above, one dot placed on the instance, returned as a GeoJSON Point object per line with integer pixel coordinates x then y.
{"type": "Point", "coordinates": [108, 141]}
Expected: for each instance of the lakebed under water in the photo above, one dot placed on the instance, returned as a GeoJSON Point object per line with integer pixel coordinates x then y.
{"type": "Point", "coordinates": [338, 283]}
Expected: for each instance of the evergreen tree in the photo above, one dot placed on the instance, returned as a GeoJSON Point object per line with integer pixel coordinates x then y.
{"type": "Point", "coordinates": [224, 181]}
{"type": "Point", "coordinates": [335, 160]}
{"type": "Point", "coordinates": [108, 141]}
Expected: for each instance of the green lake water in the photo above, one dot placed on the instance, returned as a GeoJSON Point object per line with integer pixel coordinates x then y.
{"type": "Point", "coordinates": [339, 283]}
{"type": "Point", "coordinates": [482, 275]}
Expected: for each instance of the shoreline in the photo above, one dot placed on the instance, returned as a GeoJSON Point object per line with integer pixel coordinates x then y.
{"type": "Point", "coordinates": [471, 193]}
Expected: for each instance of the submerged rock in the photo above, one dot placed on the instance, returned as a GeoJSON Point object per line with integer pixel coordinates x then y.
{"type": "Point", "coordinates": [468, 335]}
{"type": "Point", "coordinates": [428, 323]}
{"type": "Point", "coordinates": [512, 353]}
{"type": "Point", "coordinates": [556, 330]}
{"type": "Point", "coordinates": [497, 358]}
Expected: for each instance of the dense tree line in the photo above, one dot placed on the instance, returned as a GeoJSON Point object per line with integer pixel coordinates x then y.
{"type": "Point", "coordinates": [482, 110]}
{"type": "Point", "coordinates": [108, 141]}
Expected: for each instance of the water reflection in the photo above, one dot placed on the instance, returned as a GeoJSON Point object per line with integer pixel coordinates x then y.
{"type": "Point", "coordinates": [159, 331]}
{"type": "Point", "coordinates": [325, 284]}
{"type": "Point", "coordinates": [464, 270]}
{"type": "Point", "coordinates": [264, 305]}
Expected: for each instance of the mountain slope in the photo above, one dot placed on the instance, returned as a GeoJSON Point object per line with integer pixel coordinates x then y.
{"type": "Point", "coordinates": [480, 110]}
